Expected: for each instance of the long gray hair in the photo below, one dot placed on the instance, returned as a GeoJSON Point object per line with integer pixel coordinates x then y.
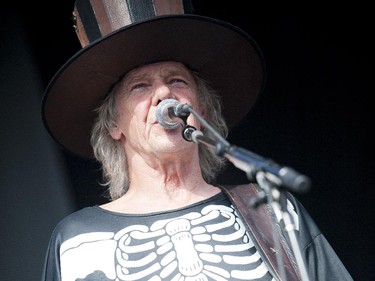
{"type": "Point", "coordinates": [111, 154]}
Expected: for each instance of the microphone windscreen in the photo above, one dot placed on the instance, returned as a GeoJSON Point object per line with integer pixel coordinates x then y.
{"type": "Point", "coordinates": [165, 113]}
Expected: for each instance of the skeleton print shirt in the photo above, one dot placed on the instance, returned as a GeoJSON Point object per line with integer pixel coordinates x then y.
{"type": "Point", "coordinates": [203, 241]}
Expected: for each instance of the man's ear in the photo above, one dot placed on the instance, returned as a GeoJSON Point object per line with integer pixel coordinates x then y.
{"type": "Point", "coordinates": [115, 132]}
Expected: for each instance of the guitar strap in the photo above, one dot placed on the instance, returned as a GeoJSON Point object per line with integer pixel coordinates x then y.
{"type": "Point", "coordinates": [261, 222]}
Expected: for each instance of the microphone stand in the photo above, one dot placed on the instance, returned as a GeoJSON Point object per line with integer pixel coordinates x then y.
{"type": "Point", "coordinates": [271, 177]}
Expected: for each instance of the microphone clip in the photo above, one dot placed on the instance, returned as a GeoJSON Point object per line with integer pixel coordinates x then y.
{"type": "Point", "coordinates": [187, 132]}
{"type": "Point", "coordinates": [182, 110]}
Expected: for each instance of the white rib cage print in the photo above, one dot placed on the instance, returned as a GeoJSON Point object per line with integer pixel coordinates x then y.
{"type": "Point", "coordinates": [211, 245]}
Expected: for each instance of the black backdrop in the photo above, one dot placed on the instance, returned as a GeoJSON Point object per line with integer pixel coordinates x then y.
{"type": "Point", "coordinates": [315, 116]}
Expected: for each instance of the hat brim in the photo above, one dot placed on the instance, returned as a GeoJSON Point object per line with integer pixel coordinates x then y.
{"type": "Point", "coordinates": [223, 54]}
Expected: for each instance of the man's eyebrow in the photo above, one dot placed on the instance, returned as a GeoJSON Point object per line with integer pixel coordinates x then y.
{"type": "Point", "coordinates": [135, 78]}
{"type": "Point", "coordinates": [176, 72]}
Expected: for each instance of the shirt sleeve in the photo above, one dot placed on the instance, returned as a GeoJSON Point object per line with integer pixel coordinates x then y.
{"type": "Point", "coordinates": [51, 269]}
{"type": "Point", "coordinates": [322, 262]}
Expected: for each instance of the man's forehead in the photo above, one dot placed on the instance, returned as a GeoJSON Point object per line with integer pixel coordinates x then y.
{"type": "Point", "coordinates": [167, 67]}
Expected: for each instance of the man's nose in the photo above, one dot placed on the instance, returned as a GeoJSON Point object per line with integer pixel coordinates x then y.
{"type": "Point", "coordinates": [162, 92]}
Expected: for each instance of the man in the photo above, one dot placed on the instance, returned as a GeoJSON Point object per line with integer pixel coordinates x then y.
{"type": "Point", "coordinates": [166, 218]}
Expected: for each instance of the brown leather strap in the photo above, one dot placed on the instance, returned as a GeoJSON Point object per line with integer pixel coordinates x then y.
{"type": "Point", "coordinates": [260, 222]}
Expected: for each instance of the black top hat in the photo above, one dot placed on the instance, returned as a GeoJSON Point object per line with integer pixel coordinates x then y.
{"type": "Point", "coordinates": [118, 36]}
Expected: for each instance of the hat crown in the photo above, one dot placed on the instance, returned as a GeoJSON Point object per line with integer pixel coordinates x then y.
{"type": "Point", "coordinates": [94, 19]}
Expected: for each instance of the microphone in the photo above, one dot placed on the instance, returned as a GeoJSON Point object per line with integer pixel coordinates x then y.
{"type": "Point", "coordinates": [169, 113]}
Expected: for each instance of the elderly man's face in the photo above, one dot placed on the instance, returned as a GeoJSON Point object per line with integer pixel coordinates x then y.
{"type": "Point", "coordinates": [137, 99]}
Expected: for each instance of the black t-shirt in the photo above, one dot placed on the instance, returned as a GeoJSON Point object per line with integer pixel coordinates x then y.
{"type": "Point", "coordinates": [204, 241]}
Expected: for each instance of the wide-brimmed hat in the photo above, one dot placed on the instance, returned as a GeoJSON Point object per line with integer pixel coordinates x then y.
{"type": "Point", "coordinates": [117, 36]}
